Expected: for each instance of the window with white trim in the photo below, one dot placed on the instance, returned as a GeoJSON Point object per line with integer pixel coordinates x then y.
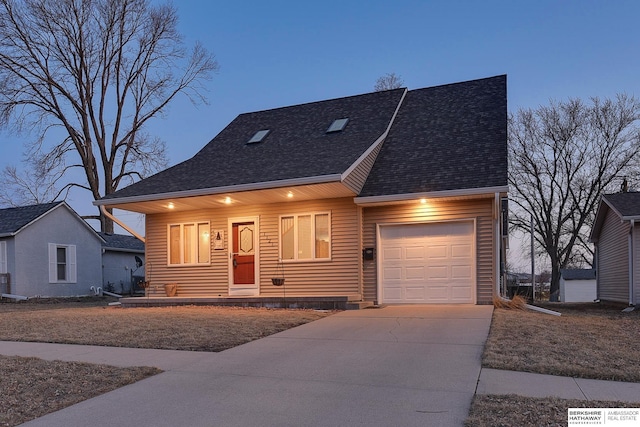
{"type": "Point", "coordinates": [3, 258]}
{"type": "Point", "coordinates": [188, 243]}
{"type": "Point", "coordinates": [305, 236]}
{"type": "Point", "coordinates": [62, 263]}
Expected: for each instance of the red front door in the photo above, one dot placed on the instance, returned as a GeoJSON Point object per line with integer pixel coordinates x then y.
{"type": "Point", "coordinates": [243, 253]}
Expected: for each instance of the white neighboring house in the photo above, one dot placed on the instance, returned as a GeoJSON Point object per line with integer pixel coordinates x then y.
{"type": "Point", "coordinates": [122, 259]}
{"type": "Point", "coordinates": [48, 250]}
{"type": "Point", "coordinates": [578, 285]}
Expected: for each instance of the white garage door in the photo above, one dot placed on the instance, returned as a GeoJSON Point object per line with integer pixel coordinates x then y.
{"type": "Point", "coordinates": [427, 263]}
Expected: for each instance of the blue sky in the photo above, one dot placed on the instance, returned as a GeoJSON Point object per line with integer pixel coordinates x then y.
{"type": "Point", "coordinates": [279, 53]}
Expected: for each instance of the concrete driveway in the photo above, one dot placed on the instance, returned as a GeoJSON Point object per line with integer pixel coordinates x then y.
{"type": "Point", "coordinates": [393, 366]}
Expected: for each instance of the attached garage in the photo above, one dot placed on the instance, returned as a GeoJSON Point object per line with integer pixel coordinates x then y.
{"type": "Point", "coordinates": [430, 262]}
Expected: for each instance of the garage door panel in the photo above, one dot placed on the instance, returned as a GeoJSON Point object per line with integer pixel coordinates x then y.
{"type": "Point", "coordinates": [393, 294]}
{"type": "Point", "coordinates": [438, 293]}
{"type": "Point", "coordinates": [415, 273]}
{"type": "Point", "coordinates": [414, 253]}
{"type": "Point", "coordinates": [392, 253]}
{"type": "Point", "coordinates": [461, 251]}
{"type": "Point", "coordinates": [436, 251]}
{"type": "Point", "coordinates": [428, 263]}
{"type": "Point", "coordinates": [392, 273]}
{"type": "Point", "coordinates": [461, 293]}
{"type": "Point", "coordinates": [437, 272]}
{"type": "Point", "coordinates": [461, 272]}
{"type": "Point", "coordinates": [414, 293]}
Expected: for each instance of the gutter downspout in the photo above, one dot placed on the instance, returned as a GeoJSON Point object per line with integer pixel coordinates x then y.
{"type": "Point", "coordinates": [498, 237]}
{"type": "Point", "coordinates": [121, 224]}
{"type": "Point", "coordinates": [631, 299]}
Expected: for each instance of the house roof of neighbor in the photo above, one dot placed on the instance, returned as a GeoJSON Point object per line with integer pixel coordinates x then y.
{"type": "Point", "coordinates": [14, 219]}
{"type": "Point", "coordinates": [625, 204]}
{"type": "Point", "coordinates": [122, 243]}
{"type": "Point", "coordinates": [578, 273]}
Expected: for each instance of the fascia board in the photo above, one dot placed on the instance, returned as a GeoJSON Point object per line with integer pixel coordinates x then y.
{"type": "Point", "coordinates": [323, 179]}
{"type": "Point", "coordinates": [399, 198]}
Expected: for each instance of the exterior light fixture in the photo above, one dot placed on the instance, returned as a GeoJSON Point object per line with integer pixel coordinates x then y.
{"type": "Point", "coordinates": [290, 195]}
{"type": "Point", "coordinates": [227, 200]}
{"type": "Point", "coordinates": [423, 201]}
{"type": "Point", "coordinates": [171, 205]}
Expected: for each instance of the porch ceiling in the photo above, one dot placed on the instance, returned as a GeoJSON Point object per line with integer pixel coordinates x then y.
{"type": "Point", "coordinates": [213, 200]}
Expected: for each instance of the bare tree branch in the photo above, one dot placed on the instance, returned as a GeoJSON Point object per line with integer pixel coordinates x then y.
{"type": "Point", "coordinates": [562, 158]}
{"type": "Point", "coordinates": [388, 81]}
{"type": "Point", "coordinates": [84, 78]}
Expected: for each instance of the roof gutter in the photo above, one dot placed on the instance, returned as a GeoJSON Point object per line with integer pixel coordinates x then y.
{"type": "Point", "coordinates": [322, 179]}
{"type": "Point", "coordinates": [409, 197]}
{"type": "Point", "coordinates": [106, 213]}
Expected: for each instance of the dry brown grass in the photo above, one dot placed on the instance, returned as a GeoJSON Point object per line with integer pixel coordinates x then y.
{"type": "Point", "coordinates": [202, 328]}
{"type": "Point", "coordinates": [588, 341]}
{"type": "Point", "coordinates": [515, 303]}
{"type": "Point", "coordinates": [510, 410]}
{"type": "Point", "coordinates": [30, 387]}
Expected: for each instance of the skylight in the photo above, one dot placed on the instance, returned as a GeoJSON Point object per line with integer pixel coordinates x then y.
{"type": "Point", "coordinates": [338, 125]}
{"type": "Point", "coordinates": [259, 136]}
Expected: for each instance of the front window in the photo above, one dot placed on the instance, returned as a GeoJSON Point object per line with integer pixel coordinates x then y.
{"type": "Point", "coordinates": [305, 237]}
{"type": "Point", "coordinates": [62, 263]}
{"type": "Point", "coordinates": [188, 243]}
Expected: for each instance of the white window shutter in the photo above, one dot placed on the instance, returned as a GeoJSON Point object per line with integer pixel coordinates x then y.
{"type": "Point", "coordinates": [3, 257]}
{"type": "Point", "coordinates": [53, 270]}
{"type": "Point", "coordinates": [72, 277]}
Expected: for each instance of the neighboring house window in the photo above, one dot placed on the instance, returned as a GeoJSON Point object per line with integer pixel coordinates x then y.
{"type": "Point", "coordinates": [62, 263]}
{"type": "Point", "coordinates": [188, 243]}
{"type": "Point", "coordinates": [305, 236]}
{"type": "Point", "coordinates": [3, 258]}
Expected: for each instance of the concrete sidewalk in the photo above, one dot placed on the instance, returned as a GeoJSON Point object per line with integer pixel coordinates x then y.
{"type": "Point", "coordinates": [399, 365]}
{"type": "Point", "coordinates": [493, 381]}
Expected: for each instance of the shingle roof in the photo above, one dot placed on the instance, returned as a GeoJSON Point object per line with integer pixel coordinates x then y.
{"type": "Point", "coordinates": [578, 274]}
{"type": "Point", "coordinates": [627, 204]}
{"type": "Point", "coordinates": [445, 138]}
{"type": "Point", "coordinates": [14, 219]}
{"type": "Point", "coordinates": [121, 242]}
{"type": "Point", "coordinates": [298, 145]}
{"type": "Point", "coordinates": [448, 137]}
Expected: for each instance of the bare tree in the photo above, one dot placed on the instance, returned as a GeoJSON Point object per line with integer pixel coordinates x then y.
{"type": "Point", "coordinates": [30, 188]}
{"type": "Point", "coordinates": [84, 78]}
{"type": "Point", "coordinates": [562, 158]}
{"type": "Point", "coordinates": [388, 81]}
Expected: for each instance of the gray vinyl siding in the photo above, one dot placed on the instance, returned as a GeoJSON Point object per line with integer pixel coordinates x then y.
{"type": "Point", "coordinates": [613, 259]}
{"type": "Point", "coordinates": [338, 276]}
{"type": "Point", "coordinates": [31, 258]}
{"type": "Point", "coordinates": [356, 179]}
{"type": "Point", "coordinates": [482, 210]}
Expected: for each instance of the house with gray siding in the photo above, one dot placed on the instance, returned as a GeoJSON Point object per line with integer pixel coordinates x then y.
{"type": "Point", "coordinates": [387, 197]}
{"type": "Point", "coordinates": [616, 235]}
{"type": "Point", "coordinates": [122, 262]}
{"type": "Point", "coordinates": [48, 250]}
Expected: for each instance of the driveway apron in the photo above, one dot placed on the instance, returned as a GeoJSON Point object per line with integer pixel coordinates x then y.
{"type": "Point", "coordinates": [403, 365]}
